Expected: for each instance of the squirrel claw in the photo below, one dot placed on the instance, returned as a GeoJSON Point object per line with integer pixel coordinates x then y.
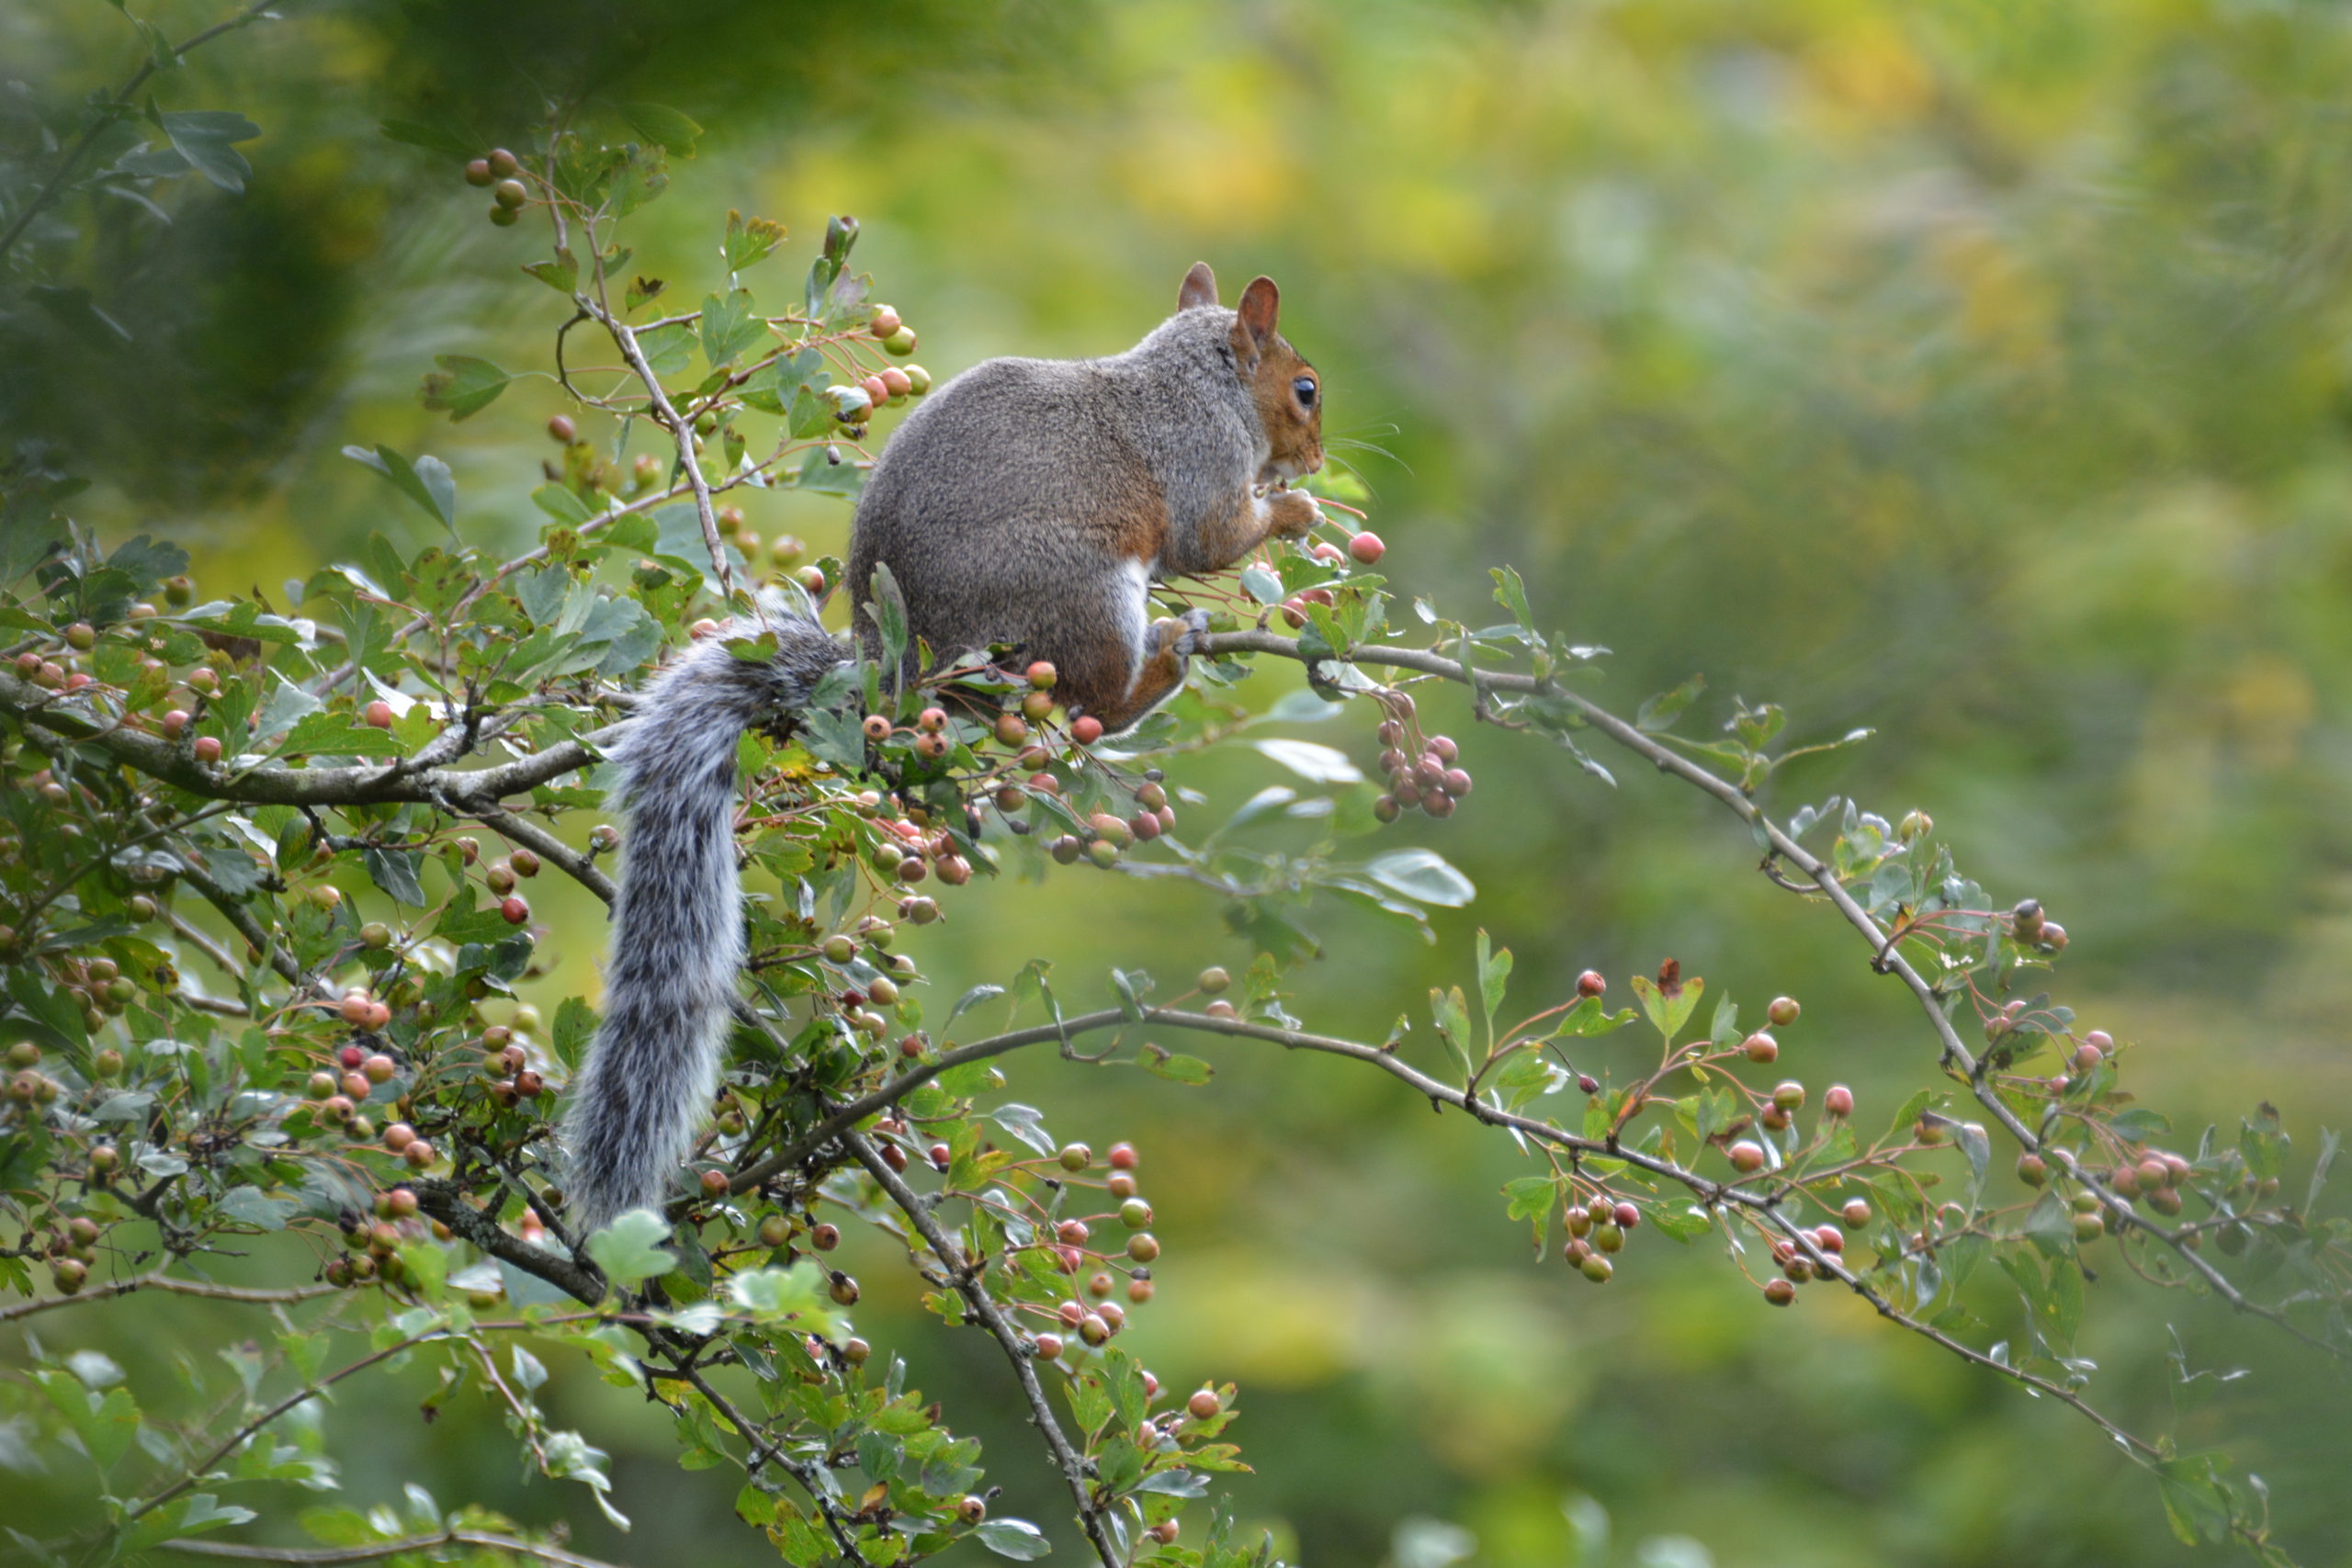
{"type": "Point", "coordinates": [1196, 626]}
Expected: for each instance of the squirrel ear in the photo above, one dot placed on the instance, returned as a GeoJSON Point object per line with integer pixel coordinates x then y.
{"type": "Point", "coordinates": [1199, 287]}
{"type": "Point", "coordinates": [1260, 301]}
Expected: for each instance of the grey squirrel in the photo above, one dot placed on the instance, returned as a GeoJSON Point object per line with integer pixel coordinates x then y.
{"type": "Point", "coordinates": [1024, 502]}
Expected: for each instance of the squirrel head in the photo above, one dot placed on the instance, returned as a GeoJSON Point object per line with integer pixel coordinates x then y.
{"type": "Point", "coordinates": [1286, 390]}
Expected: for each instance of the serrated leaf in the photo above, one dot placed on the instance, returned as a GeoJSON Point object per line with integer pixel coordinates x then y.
{"type": "Point", "coordinates": [628, 1250]}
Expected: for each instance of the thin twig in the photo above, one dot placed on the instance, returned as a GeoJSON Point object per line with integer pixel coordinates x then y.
{"type": "Point", "coordinates": [326, 1556]}
{"type": "Point", "coordinates": [965, 1276]}
{"type": "Point", "coordinates": [170, 1285]}
{"type": "Point", "coordinates": [1887, 958]}
{"type": "Point", "coordinates": [107, 112]}
{"type": "Point", "coordinates": [682, 432]}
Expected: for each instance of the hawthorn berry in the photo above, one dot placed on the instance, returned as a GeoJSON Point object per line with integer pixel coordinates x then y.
{"type": "Point", "coordinates": [1760, 1047]}
{"type": "Point", "coordinates": [1780, 1293]}
{"type": "Point", "coordinates": [1204, 1405]}
{"type": "Point", "coordinates": [1838, 1101]}
{"type": "Point", "coordinates": [1592, 983]}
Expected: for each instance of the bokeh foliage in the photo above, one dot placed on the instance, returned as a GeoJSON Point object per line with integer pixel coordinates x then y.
{"type": "Point", "coordinates": [1976, 375]}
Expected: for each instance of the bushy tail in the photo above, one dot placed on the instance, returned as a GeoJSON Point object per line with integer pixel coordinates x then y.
{"type": "Point", "coordinates": [677, 926]}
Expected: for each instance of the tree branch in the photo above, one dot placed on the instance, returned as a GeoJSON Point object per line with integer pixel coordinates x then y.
{"type": "Point", "coordinates": [170, 1285]}
{"type": "Point", "coordinates": [1887, 954]}
{"type": "Point", "coordinates": [965, 1276]}
{"type": "Point", "coordinates": [322, 1557]}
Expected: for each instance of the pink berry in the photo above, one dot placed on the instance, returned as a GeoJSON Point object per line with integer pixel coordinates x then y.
{"type": "Point", "coordinates": [1366, 547]}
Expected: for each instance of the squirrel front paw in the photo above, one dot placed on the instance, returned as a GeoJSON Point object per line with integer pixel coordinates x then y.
{"type": "Point", "coordinates": [1196, 625]}
{"type": "Point", "coordinates": [1293, 514]}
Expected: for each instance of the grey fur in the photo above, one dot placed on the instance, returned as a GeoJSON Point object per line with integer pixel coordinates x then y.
{"type": "Point", "coordinates": [999, 503]}
{"type": "Point", "coordinates": [1026, 501]}
{"type": "Point", "coordinates": [677, 925]}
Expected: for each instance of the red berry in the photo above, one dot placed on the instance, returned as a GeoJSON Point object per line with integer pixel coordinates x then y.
{"type": "Point", "coordinates": [351, 1057]}
{"type": "Point", "coordinates": [714, 1184]}
{"type": "Point", "coordinates": [1830, 1239]}
{"type": "Point", "coordinates": [1857, 1213]}
{"type": "Point", "coordinates": [1783, 1011]}
{"type": "Point", "coordinates": [1762, 1047]}
{"type": "Point", "coordinates": [1086, 730]}
{"type": "Point", "coordinates": [1627, 1216]}
{"type": "Point", "coordinates": [942, 1157]}
{"type": "Point", "coordinates": [1838, 1100]}
{"type": "Point", "coordinates": [379, 714]}
{"type": "Point", "coordinates": [1123, 1156]}
{"type": "Point", "coordinates": [1203, 1405]}
{"type": "Point", "coordinates": [1366, 547]}
{"type": "Point", "coordinates": [1591, 983]}
{"type": "Point", "coordinates": [1780, 1293]}
{"type": "Point", "coordinates": [1049, 1347]}
{"type": "Point", "coordinates": [514, 910]}
{"type": "Point", "coordinates": [208, 748]}
{"type": "Point", "coordinates": [1746, 1157]}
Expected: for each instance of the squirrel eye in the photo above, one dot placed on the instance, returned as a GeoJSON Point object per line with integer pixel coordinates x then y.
{"type": "Point", "coordinates": [1304, 387]}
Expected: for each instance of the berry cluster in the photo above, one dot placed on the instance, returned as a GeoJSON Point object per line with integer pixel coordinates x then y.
{"type": "Point", "coordinates": [1423, 774]}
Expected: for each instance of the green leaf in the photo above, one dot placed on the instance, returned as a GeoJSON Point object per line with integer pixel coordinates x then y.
{"type": "Point", "coordinates": [562, 273]}
{"type": "Point", "coordinates": [1978, 1147]}
{"type": "Point", "coordinates": [463, 386]}
{"type": "Point", "coordinates": [806, 414]}
{"type": "Point", "coordinates": [796, 1295]}
{"type": "Point", "coordinates": [203, 138]}
{"type": "Point", "coordinates": [1317, 764]}
{"type": "Point", "coordinates": [1016, 1539]}
{"type": "Point", "coordinates": [425, 482]}
{"type": "Point", "coordinates": [1658, 714]}
{"type": "Point", "coordinates": [561, 504]}
{"type": "Point", "coordinates": [2195, 1504]}
{"type": "Point", "coordinates": [729, 325]}
{"type": "Point", "coordinates": [628, 1250]}
{"type": "Point", "coordinates": [448, 142]}
{"type": "Point", "coordinates": [749, 241]}
{"type": "Point", "coordinates": [1423, 875]}
{"type": "Point", "coordinates": [1668, 1013]}
{"type": "Point", "coordinates": [660, 123]}
{"type": "Point", "coordinates": [395, 871]}
{"type": "Point", "coordinates": [1531, 1197]}
{"type": "Point", "coordinates": [1178, 1068]}
{"type": "Point", "coordinates": [333, 734]}
{"type": "Point", "coordinates": [1683, 1221]}
{"type": "Point", "coordinates": [1494, 977]}
{"type": "Point", "coordinates": [1512, 595]}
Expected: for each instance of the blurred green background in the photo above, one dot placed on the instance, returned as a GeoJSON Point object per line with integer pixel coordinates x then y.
{"type": "Point", "coordinates": [1975, 372]}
